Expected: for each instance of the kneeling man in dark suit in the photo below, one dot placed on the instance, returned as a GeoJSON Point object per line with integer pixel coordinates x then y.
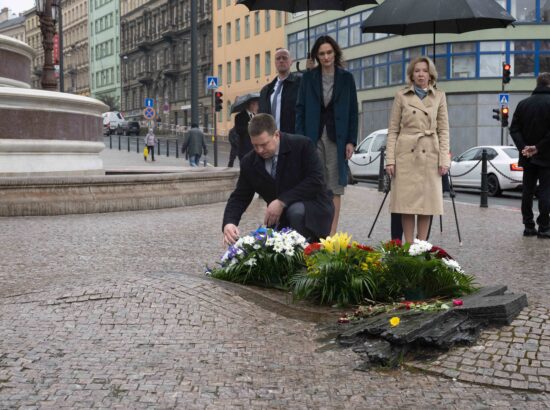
{"type": "Point", "coordinates": [285, 170]}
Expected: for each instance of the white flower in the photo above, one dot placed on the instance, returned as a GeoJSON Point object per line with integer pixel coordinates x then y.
{"type": "Point", "coordinates": [419, 247]}
{"type": "Point", "coordinates": [248, 240]}
{"type": "Point", "coordinates": [256, 246]}
{"type": "Point", "coordinates": [251, 262]}
{"type": "Point", "coordinates": [451, 263]}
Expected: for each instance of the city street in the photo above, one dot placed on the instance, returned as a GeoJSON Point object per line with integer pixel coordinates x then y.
{"type": "Point", "coordinates": [114, 311]}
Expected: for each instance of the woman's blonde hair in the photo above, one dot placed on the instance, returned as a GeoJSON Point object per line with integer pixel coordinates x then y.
{"type": "Point", "coordinates": [431, 69]}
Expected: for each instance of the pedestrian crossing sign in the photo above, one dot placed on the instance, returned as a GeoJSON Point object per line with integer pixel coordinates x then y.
{"type": "Point", "coordinates": [504, 99]}
{"type": "Point", "coordinates": [211, 82]}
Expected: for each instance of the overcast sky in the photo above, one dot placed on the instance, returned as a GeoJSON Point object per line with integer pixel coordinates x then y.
{"type": "Point", "coordinates": [17, 6]}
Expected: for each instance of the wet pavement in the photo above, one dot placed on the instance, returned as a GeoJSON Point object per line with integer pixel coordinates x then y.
{"type": "Point", "coordinates": [114, 311]}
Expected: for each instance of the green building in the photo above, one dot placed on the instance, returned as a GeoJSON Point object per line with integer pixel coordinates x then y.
{"type": "Point", "coordinates": [469, 66]}
{"type": "Point", "coordinates": [104, 29]}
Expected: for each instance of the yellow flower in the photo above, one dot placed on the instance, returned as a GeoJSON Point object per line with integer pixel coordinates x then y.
{"type": "Point", "coordinates": [394, 321]}
{"type": "Point", "coordinates": [337, 243]}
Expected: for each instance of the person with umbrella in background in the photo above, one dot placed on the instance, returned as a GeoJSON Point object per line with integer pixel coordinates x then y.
{"type": "Point", "coordinates": [327, 112]}
{"type": "Point", "coordinates": [241, 124]}
{"type": "Point", "coordinates": [278, 98]}
{"type": "Point", "coordinates": [417, 152]}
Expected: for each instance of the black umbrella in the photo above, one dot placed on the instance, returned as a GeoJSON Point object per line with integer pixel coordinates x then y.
{"type": "Point", "coordinates": [405, 17]}
{"type": "Point", "coordinates": [294, 6]}
{"type": "Point", "coordinates": [242, 101]}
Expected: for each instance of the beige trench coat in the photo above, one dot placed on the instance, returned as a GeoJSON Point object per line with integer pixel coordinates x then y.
{"type": "Point", "coordinates": [418, 143]}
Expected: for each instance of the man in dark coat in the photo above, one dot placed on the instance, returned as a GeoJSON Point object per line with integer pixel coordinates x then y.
{"type": "Point", "coordinates": [285, 170]}
{"type": "Point", "coordinates": [530, 131]}
{"type": "Point", "coordinates": [195, 145]}
{"type": "Point", "coordinates": [241, 126]}
{"type": "Point", "coordinates": [278, 98]}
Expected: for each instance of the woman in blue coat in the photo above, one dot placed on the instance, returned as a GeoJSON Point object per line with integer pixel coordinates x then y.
{"type": "Point", "coordinates": [326, 112]}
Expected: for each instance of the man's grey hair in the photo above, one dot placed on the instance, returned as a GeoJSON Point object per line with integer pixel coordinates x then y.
{"type": "Point", "coordinates": [543, 80]}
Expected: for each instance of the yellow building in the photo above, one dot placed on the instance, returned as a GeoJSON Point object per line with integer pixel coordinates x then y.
{"type": "Point", "coordinates": [244, 48]}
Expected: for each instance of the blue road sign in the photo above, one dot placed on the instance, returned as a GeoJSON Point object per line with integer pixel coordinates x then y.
{"type": "Point", "coordinates": [211, 82]}
{"type": "Point", "coordinates": [149, 113]}
{"type": "Point", "coordinates": [503, 99]}
{"type": "Point", "coordinates": [149, 102]}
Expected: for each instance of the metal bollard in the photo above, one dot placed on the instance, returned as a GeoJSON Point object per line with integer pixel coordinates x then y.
{"type": "Point", "coordinates": [381, 170]}
{"type": "Point", "coordinates": [137, 145]}
{"type": "Point", "coordinates": [119, 142]}
{"type": "Point", "coordinates": [167, 148]}
{"type": "Point", "coordinates": [177, 149]}
{"type": "Point", "coordinates": [128, 143]}
{"type": "Point", "coordinates": [158, 147]}
{"type": "Point", "coordinates": [484, 184]}
{"type": "Point", "coordinates": [111, 141]}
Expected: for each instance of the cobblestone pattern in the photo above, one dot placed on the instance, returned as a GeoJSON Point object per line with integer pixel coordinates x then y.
{"type": "Point", "coordinates": [516, 356]}
{"type": "Point", "coordinates": [85, 321]}
{"type": "Point", "coordinates": [176, 341]}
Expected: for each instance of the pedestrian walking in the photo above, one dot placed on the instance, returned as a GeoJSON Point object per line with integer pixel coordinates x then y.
{"type": "Point", "coordinates": [278, 98]}
{"type": "Point", "coordinates": [417, 153]}
{"type": "Point", "coordinates": [530, 130]}
{"type": "Point", "coordinates": [233, 138]}
{"type": "Point", "coordinates": [150, 141]}
{"type": "Point", "coordinates": [327, 113]}
{"type": "Point", "coordinates": [195, 145]}
{"type": "Point", "coordinates": [241, 126]}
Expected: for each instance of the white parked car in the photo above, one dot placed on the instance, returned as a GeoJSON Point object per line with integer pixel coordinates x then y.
{"type": "Point", "coordinates": [507, 175]}
{"type": "Point", "coordinates": [113, 121]}
{"type": "Point", "coordinates": [365, 161]}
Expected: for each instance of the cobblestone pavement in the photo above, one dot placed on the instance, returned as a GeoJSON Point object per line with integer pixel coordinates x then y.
{"type": "Point", "coordinates": [112, 311]}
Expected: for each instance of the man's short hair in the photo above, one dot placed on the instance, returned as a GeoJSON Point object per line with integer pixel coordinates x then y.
{"type": "Point", "coordinates": [261, 123]}
{"type": "Point", "coordinates": [543, 80]}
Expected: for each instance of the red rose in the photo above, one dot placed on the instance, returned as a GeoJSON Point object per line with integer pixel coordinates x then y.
{"type": "Point", "coordinates": [312, 247]}
{"type": "Point", "coordinates": [440, 253]}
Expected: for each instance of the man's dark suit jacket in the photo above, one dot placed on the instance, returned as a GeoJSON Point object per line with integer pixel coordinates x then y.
{"type": "Point", "coordinates": [241, 126]}
{"type": "Point", "coordinates": [299, 179]}
{"type": "Point", "coordinates": [289, 94]}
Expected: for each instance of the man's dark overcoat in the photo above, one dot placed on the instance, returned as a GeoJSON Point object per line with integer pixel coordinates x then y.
{"type": "Point", "coordinates": [289, 94]}
{"type": "Point", "coordinates": [299, 179]}
{"type": "Point", "coordinates": [241, 126]}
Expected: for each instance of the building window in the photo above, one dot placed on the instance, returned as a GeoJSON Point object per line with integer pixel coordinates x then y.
{"type": "Point", "coordinates": [256, 23]}
{"type": "Point", "coordinates": [238, 30]}
{"type": "Point", "coordinates": [219, 4]}
{"type": "Point", "coordinates": [228, 33]}
{"type": "Point", "coordinates": [490, 58]}
{"type": "Point", "coordinates": [463, 61]}
{"type": "Point", "coordinates": [246, 26]}
{"type": "Point", "coordinates": [219, 36]}
{"type": "Point", "coordinates": [522, 58]}
{"type": "Point", "coordinates": [220, 74]}
{"type": "Point", "coordinates": [525, 11]}
{"type": "Point", "coordinates": [238, 70]}
{"type": "Point", "coordinates": [267, 20]}
{"type": "Point", "coordinates": [227, 3]}
{"type": "Point", "coordinates": [257, 68]}
{"type": "Point", "coordinates": [278, 19]}
{"type": "Point", "coordinates": [229, 76]}
{"type": "Point", "coordinates": [268, 63]}
{"type": "Point", "coordinates": [247, 68]}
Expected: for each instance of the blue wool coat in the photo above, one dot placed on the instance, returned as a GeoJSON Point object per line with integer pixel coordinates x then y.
{"type": "Point", "coordinates": [346, 117]}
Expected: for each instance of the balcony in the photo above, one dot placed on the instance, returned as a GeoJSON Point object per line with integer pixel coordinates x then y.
{"type": "Point", "coordinates": [169, 33]}
{"type": "Point", "coordinates": [145, 77]}
{"type": "Point", "coordinates": [171, 70]}
{"type": "Point", "coordinates": [144, 43]}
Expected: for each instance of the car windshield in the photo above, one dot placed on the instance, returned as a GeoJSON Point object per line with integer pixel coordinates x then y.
{"type": "Point", "coordinates": [511, 152]}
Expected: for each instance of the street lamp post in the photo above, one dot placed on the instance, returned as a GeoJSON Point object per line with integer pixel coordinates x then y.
{"type": "Point", "coordinates": [49, 11]}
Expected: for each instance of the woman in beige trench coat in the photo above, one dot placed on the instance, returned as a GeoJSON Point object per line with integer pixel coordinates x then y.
{"type": "Point", "coordinates": [418, 149]}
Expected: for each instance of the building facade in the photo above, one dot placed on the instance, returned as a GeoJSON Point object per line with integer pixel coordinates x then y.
{"type": "Point", "coordinates": [76, 64]}
{"type": "Point", "coordinates": [469, 65]}
{"type": "Point", "coordinates": [156, 55]}
{"type": "Point", "coordinates": [105, 61]}
{"type": "Point", "coordinates": [34, 39]}
{"type": "Point", "coordinates": [11, 25]}
{"type": "Point", "coordinates": [244, 52]}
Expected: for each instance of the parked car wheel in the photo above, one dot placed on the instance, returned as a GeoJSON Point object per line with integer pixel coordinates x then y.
{"type": "Point", "coordinates": [493, 186]}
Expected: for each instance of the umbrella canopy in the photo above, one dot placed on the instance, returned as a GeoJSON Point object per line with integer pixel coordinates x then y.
{"type": "Point", "coordinates": [242, 101]}
{"type": "Point", "coordinates": [294, 6]}
{"type": "Point", "coordinates": [405, 17]}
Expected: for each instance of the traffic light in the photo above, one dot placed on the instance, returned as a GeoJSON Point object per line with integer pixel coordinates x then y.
{"type": "Point", "coordinates": [504, 112]}
{"type": "Point", "coordinates": [219, 101]}
{"type": "Point", "coordinates": [506, 73]}
{"type": "Point", "coordinates": [496, 114]}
